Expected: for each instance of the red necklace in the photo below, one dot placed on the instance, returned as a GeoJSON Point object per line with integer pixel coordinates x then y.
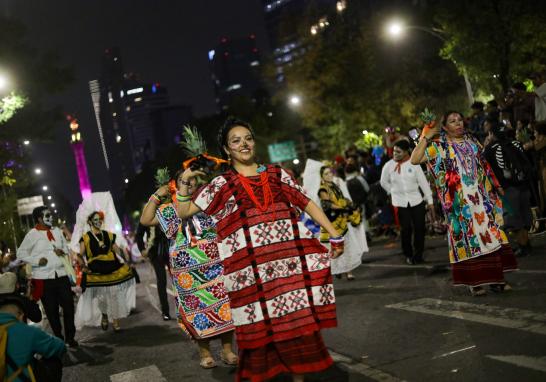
{"type": "Point", "coordinates": [266, 189]}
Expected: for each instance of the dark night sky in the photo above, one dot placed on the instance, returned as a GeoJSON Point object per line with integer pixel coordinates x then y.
{"type": "Point", "coordinates": [163, 41]}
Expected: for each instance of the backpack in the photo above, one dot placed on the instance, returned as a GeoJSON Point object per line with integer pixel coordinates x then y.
{"type": "Point", "coordinates": [6, 360]}
{"type": "Point", "coordinates": [517, 167]}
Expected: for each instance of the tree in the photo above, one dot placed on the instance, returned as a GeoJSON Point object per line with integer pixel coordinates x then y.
{"type": "Point", "coordinates": [351, 79]}
{"type": "Point", "coordinates": [25, 113]}
{"type": "Point", "coordinates": [497, 42]}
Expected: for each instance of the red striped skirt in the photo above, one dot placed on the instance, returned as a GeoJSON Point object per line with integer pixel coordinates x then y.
{"type": "Point", "coordinates": [486, 269]}
{"type": "Point", "coordinates": [306, 354]}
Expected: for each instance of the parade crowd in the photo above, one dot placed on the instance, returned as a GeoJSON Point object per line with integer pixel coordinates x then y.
{"type": "Point", "coordinates": [250, 249]}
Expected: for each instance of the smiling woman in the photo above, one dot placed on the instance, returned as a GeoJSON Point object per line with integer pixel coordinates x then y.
{"type": "Point", "coordinates": [276, 273]}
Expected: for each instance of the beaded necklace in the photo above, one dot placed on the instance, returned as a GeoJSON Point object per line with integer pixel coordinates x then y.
{"type": "Point", "coordinates": [248, 183]}
{"type": "Point", "coordinates": [465, 154]}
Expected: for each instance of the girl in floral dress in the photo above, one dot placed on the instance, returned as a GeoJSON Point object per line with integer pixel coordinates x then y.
{"type": "Point", "coordinates": [479, 251]}
{"type": "Point", "coordinates": [196, 271]}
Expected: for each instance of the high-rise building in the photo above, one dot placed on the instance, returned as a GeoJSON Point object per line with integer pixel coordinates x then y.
{"type": "Point", "coordinates": [125, 110]}
{"type": "Point", "coordinates": [235, 67]}
{"type": "Point", "coordinates": [283, 20]}
{"type": "Point", "coordinates": [76, 142]}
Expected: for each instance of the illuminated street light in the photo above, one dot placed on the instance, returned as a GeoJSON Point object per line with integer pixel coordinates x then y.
{"type": "Point", "coordinates": [38, 171]}
{"type": "Point", "coordinates": [395, 29]}
{"type": "Point", "coordinates": [364, 132]}
{"type": "Point", "coordinates": [26, 142]}
{"type": "Point", "coordinates": [44, 188]}
{"type": "Point", "coordinates": [49, 197]}
{"type": "Point", "coordinates": [341, 5]}
{"type": "Point", "coordinates": [3, 82]}
{"type": "Point", "coordinates": [126, 180]}
{"type": "Point", "coordinates": [295, 100]}
{"type": "Point", "coordinates": [52, 204]}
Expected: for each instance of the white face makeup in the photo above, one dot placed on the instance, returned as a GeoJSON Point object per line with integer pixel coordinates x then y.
{"type": "Point", "coordinates": [47, 218]}
{"type": "Point", "coordinates": [398, 153]}
{"type": "Point", "coordinates": [96, 221]}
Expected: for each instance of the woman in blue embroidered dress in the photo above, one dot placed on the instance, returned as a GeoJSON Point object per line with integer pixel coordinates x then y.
{"type": "Point", "coordinates": [479, 251]}
{"type": "Point", "coordinates": [197, 274]}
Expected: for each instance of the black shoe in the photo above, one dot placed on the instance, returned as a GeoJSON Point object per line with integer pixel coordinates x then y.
{"type": "Point", "coordinates": [72, 343]}
{"type": "Point", "coordinates": [166, 317]}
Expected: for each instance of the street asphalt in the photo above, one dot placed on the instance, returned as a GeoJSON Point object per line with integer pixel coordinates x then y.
{"type": "Point", "coordinates": [397, 322]}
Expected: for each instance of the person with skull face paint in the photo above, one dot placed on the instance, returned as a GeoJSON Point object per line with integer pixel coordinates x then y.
{"type": "Point", "coordinates": [42, 248]}
{"type": "Point", "coordinates": [107, 281]}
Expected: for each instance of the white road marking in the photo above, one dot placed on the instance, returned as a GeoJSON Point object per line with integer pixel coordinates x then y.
{"type": "Point", "coordinates": [145, 374]}
{"type": "Point", "coordinates": [485, 314]}
{"type": "Point", "coordinates": [438, 266]}
{"type": "Point", "coordinates": [535, 363]}
{"type": "Point", "coordinates": [169, 291]}
{"type": "Point", "coordinates": [454, 352]}
{"type": "Point", "coordinates": [362, 368]}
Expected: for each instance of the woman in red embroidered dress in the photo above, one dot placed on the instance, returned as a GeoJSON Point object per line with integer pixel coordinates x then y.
{"type": "Point", "coordinates": [276, 273]}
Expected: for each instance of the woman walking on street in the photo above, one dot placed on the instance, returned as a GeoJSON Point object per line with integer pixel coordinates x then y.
{"type": "Point", "coordinates": [107, 282]}
{"type": "Point", "coordinates": [276, 274]}
{"type": "Point", "coordinates": [479, 251]}
{"type": "Point", "coordinates": [196, 272]}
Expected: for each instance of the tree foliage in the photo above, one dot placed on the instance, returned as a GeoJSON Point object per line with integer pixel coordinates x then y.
{"type": "Point", "coordinates": [497, 42]}
{"type": "Point", "coordinates": [352, 78]}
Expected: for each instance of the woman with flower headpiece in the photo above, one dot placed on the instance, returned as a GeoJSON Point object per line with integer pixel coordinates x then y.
{"type": "Point", "coordinates": [196, 270]}
{"type": "Point", "coordinates": [479, 251]}
{"type": "Point", "coordinates": [107, 282]}
{"type": "Point", "coordinates": [276, 273]}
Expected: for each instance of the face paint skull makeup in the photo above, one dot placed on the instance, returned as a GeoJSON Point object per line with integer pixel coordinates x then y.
{"type": "Point", "coordinates": [96, 222]}
{"type": "Point", "coordinates": [47, 218]}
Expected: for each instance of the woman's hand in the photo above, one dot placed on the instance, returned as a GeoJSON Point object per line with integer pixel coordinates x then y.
{"type": "Point", "coordinates": [189, 174]}
{"type": "Point", "coordinates": [431, 133]}
{"type": "Point", "coordinates": [336, 252]}
{"type": "Point", "coordinates": [162, 191]}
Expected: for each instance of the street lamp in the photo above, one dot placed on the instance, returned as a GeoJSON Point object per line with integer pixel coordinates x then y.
{"type": "Point", "coordinates": [38, 171]}
{"type": "Point", "coordinates": [3, 82]}
{"type": "Point", "coordinates": [52, 204]}
{"type": "Point", "coordinates": [49, 197]}
{"type": "Point", "coordinates": [395, 30]}
{"type": "Point", "coordinates": [26, 142]}
{"type": "Point", "coordinates": [44, 188]}
{"type": "Point", "coordinates": [294, 100]}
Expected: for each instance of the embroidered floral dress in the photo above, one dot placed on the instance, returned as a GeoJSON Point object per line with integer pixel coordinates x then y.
{"type": "Point", "coordinates": [466, 187]}
{"type": "Point", "coordinates": [202, 304]}
{"type": "Point", "coordinates": [276, 273]}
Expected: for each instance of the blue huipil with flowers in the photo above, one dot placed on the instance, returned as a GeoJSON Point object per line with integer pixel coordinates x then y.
{"type": "Point", "coordinates": [466, 187]}
{"type": "Point", "coordinates": [196, 270]}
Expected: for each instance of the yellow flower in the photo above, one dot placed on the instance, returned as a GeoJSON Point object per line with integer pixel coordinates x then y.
{"type": "Point", "coordinates": [185, 281]}
{"type": "Point", "coordinates": [225, 312]}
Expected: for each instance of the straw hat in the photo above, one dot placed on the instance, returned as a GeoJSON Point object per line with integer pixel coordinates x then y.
{"type": "Point", "coordinates": [7, 282]}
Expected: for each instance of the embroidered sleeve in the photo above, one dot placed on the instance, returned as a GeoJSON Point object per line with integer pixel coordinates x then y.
{"type": "Point", "coordinates": [209, 198]}
{"type": "Point", "coordinates": [295, 194]}
{"type": "Point", "coordinates": [168, 220]}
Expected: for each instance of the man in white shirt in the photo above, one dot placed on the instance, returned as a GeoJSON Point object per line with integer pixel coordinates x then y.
{"type": "Point", "coordinates": [540, 96]}
{"type": "Point", "coordinates": [42, 248]}
{"type": "Point", "coordinates": [406, 184]}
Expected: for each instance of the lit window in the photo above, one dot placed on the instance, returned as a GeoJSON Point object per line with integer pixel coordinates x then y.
{"type": "Point", "coordinates": [255, 63]}
{"type": "Point", "coordinates": [233, 87]}
{"type": "Point", "coordinates": [135, 91]}
{"type": "Point", "coordinates": [211, 54]}
{"type": "Point", "coordinates": [138, 99]}
{"type": "Point", "coordinates": [128, 108]}
{"type": "Point", "coordinates": [114, 114]}
{"type": "Point", "coordinates": [118, 138]}
{"type": "Point", "coordinates": [126, 180]}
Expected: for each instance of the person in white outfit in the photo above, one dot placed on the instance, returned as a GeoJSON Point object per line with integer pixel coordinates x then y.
{"type": "Point", "coordinates": [43, 248]}
{"type": "Point", "coordinates": [409, 189]}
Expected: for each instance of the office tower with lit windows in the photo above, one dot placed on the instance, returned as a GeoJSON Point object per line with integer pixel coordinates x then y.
{"type": "Point", "coordinates": [235, 67]}
{"type": "Point", "coordinates": [131, 119]}
{"type": "Point", "coordinates": [283, 20]}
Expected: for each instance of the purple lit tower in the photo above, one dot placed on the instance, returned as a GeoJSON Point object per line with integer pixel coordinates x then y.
{"type": "Point", "coordinates": [77, 147]}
